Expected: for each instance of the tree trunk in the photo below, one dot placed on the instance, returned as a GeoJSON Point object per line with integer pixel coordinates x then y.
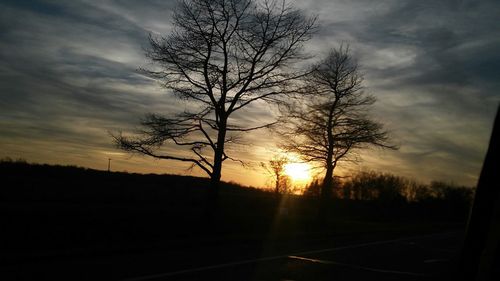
{"type": "Point", "coordinates": [326, 193]}
{"type": "Point", "coordinates": [277, 186]}
{"type": "Point", "coordinates": [328, 180]}
{"type": "Point", "coordinates": [213, 197]}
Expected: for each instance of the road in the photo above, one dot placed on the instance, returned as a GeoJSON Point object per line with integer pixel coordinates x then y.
{"type": "Point", "coordinates": [425, 257]}
{"type": "Point", "coordinates": [365, 257]}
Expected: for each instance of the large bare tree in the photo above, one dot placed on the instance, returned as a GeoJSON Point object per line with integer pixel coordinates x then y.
{"type": "Point", "coordinates": [333, 122]}
{"type": "Point", "coordinates": [222, 56]}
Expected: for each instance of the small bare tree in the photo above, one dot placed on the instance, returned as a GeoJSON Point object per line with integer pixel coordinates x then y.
{"type": "Point", "coordinates": [222, 56]}
{"type": "Point", "coordinates": [276, 168]}
{"type": "Point", "coordinates": [333, 123]}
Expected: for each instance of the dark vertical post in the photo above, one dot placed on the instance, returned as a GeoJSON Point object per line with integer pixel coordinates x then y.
{"type": "Point", "coordinates": [482, 222]}
{"type": "Point", "coordinates": [109, 164]}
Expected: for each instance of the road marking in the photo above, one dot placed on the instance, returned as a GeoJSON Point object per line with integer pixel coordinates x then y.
{"type": "Point", "coordinates": [353, 266]}
{"type": "Point", "coordinates": [429, 248]}
{"type": "Point", "coordinates": [436, 260]}
{"type": "Point", "coordinates": [249, 261]}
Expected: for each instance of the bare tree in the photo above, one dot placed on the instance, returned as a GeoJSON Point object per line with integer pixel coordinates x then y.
{"type": "Point", "coordinates": [276, 168]}
{"type": "Point", "coordinates": [330, 125]}
{"type": "Point", "coordinates": [222, 56]}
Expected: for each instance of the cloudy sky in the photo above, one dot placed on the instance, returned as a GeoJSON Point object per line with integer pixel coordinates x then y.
{"type": "Point", "coordinates": [68, 77]}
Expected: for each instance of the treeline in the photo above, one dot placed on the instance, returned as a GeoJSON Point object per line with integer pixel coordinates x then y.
{"type": "Point", "coordinates": [363, 186]}
{"type": "Point", "coordinates": [388, 187]}
{"type": "Point", "coordinates": [28, 182]}
{"type": "Point", "coordinates": [390, 190]}
{"type": "Point", "coordinates": [366, 195]}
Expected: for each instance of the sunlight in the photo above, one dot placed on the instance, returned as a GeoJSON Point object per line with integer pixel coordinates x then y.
{"type": "Point", "coordinates": [298, 172]}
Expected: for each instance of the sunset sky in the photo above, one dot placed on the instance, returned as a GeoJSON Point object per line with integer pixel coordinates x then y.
{"type": "Point", "coordinates": [68, 77]}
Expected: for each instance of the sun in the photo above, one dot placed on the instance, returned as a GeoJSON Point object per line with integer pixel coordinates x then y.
{"type": "Point", "coordinates": [298, 172]}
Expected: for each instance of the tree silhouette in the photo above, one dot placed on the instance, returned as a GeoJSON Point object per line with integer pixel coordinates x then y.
{"type": "Point", "coordinates": [382, 187]}
{"type": "Point", "coordinates": [330, 125]}
{"type": "Point", "coordinates": [222, 56]}
{"type": "Point", "coordinates": [276, 168]}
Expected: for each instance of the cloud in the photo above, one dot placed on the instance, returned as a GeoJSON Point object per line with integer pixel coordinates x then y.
{"type": "Point", "coordinates": [432, 66]}
{"type": "Point", "coordinates": [68, 76]}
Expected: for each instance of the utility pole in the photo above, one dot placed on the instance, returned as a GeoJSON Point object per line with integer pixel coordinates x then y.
{"type": "Point", "coordinates": [109, 165]}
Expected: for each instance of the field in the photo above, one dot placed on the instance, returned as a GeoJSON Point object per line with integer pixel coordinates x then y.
{"type": "Point", "coordinates": [68, 223]}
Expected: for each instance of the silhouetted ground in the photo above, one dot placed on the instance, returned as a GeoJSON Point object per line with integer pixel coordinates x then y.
{"type": "Point", "coordinates": [75, 224]}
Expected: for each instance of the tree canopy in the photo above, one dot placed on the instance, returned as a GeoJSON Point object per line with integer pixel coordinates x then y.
{"type": "Point", "coordinates": [333, 122]}
{"type": "Point", "coordinates": [221, 56]}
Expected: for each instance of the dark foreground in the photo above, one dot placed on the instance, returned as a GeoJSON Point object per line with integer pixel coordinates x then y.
{"type": "Point", "coordinates": [358, 257]}
{"type": "Point", "coordinates": [73, 224]}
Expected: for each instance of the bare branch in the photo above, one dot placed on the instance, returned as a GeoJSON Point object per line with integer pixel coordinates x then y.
{"type": "Point", "coordinates": [237, 129]}
{"type": "Point", "coordinates": [137, 146]}
{"type": "Point", "coordinates": [332, 123]}
{"type": "Point", "coordinates": [221, 56]}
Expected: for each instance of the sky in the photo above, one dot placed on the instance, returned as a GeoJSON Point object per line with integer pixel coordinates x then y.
{"type": "Point", "coordinates": [68, 77]}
